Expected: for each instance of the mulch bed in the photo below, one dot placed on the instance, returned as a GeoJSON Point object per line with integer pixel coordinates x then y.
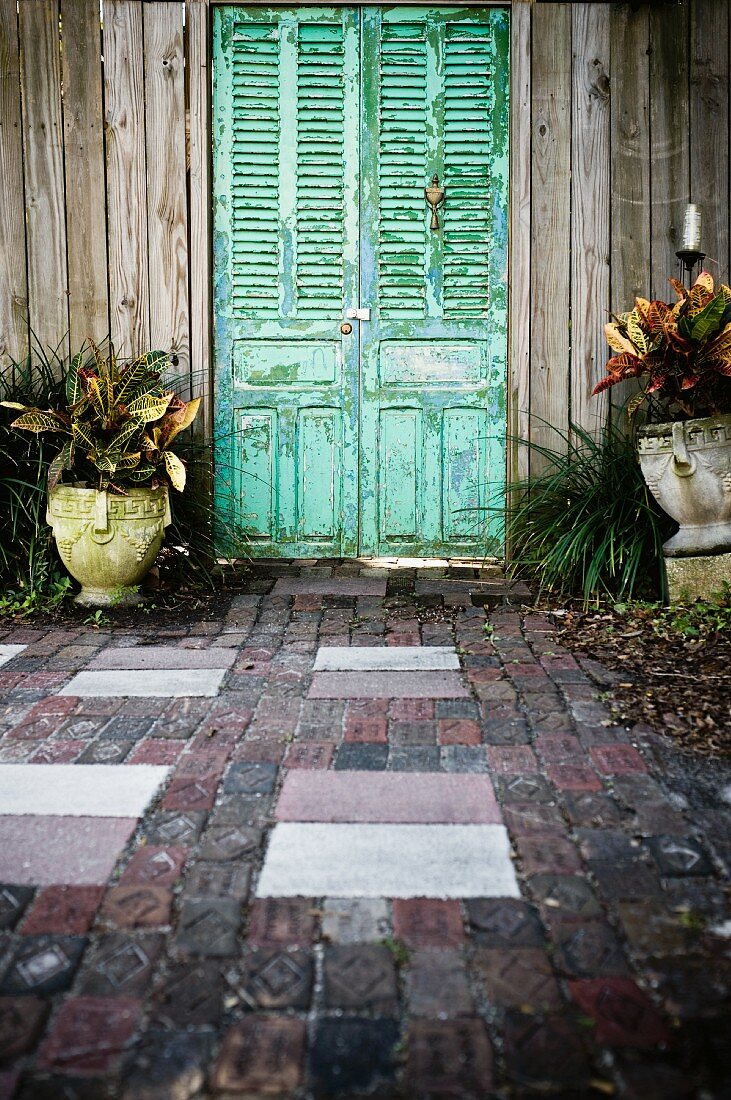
{"type": "Point", "coordinates": [670, 668]}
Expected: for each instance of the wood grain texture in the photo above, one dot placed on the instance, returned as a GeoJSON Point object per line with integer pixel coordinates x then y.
{"type": "Point", "coordinates": [167, 213]}
{"type": "Point", "coordinates": [45, 216]}
{"type": "Point", "coordinates": [630, 168]}
{"type": "Point", "coordinates": [83, 120]}
{"type": "Point", "coordinates": [13, 282]}
{"type": "Point", "coordinates": [670, 146]}
{"type": "Point", "coordinates": [589, 210]}
{"type": "Point", "coordinates": [709, 128]}
{"type": "Point", "coordinates": [124, 97]}
{"type": "Point", "coordinates": [550, 224]}
{"type": "Point", "coordinates": [520, 239]}
{"type": "Point", "coordinates": [199, 108]}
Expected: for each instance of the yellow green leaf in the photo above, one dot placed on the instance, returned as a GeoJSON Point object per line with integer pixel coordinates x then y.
{"type": "Point", "coordinates": [175, 470]}
{"type": "Point", "coordinates": [616, 340]}
{"type": "Point", "coordinates": [148, 408]}
{"type": "Point", "coordinates": [37, 420]}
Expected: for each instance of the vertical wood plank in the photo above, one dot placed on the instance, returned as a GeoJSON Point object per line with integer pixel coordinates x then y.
{"type": "Point", "coordinates": [709, 128]}
{"type": "Point", "coordinates": [520, 239]}
{"type": "Point", "coordinates": [589, 210]}
{"type": "Point", "coordinates": [669, 126]}
{"type": "Point", "coordinates": [83, 118]}
{"type": "Point", "coordinates": [167, 214]}
{"type": "Point", "coordinates": [630, 168]}
{"type": "Point", "coordinates": [199, 108]}
{"type": "Point", "coordinates": [126, 176]}
{"type": "Point", "coordinates": [43, 166]}
{"type": "Point", "coordinates": [550, 224]}
{"type": "Point", "coordinates": [13, 282]}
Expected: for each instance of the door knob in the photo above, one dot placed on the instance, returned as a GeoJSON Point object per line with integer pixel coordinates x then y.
{"type": "Point", "coordinates": [346, 328]}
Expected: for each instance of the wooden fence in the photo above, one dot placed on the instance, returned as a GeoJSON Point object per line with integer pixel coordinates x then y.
{"type": "Point", "coordinates": [620, 115]}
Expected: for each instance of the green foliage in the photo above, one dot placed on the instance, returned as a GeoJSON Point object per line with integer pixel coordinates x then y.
{"type": "Point", "coordinates": [681, 352]}
{"type": "Point", "coordinates": [31, 576]}
{"type": "Point", "coordinates": [97, 619]}
{"type": "Point", "coordinates": [115, 424]}
{"type": "Point", "coordinates": [587, 525]}
{"type": "Point", "coordinates": [701, 619]}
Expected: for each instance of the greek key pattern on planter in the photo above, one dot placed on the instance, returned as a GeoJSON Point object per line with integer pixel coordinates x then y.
{"type": "Point", "coordinates": [696, 435]}
{"type": "Point", "coordinates": [81, 506]}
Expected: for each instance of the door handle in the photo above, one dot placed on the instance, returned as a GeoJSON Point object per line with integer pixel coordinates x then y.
{"type": "Point", "coordinates": [435, 196]}
{"type": "Point", "coordinates": [359, 314]}
{"type": "Point", "coordinates": [346, 328]}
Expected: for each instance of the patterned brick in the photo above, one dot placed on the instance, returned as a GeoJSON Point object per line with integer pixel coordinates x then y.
{"type": "Point", "coordinates": [21, 1020]}
{"type": "Point", "coordinates": [617, 759]}
{"type": "Point", "coordinates": [520, 977]}
{"type": "Point", "coordinates": [588, 949]}
{"type": "Point", "coordinates": [261, 1055]}
{"type": "Point", "coordinates": [548, 854]}
{"type": "Point", "coordinates": [351, 1056]}
{"type": "Point", "coordinates": [274, 978]}
{"type": "Point", "coordinates": [458, 731]}
{"type": "Point", "coordinates": [119, 965]}
{"type": "Point", "coordinates": [89, 1035]}
{"type": "Point", "coordinates": [437, 985]}
{"type": "Point", "coordinates": [504, 922]}
{"type": "Point", "coordinates": [282, 921]}
{"type": "Point", "coordinates": [154, 865]}
{"type": "Point", "coordinates": [428, 922]}
{"type": "Point", "coordinates": [67, 910]}
{"type": "Point", "coordinates": [624, 1015]}
{"type": "Point", "coordinates": [450, 1058]}
{"type": "Point", "coordinates": [544, 1052]}
{"type": "Point", "coordinates": [511, 759]}
{"type": "Point", "coordinates": [42, 965]}
{"type": "Point", "coordinates": [142, 906]}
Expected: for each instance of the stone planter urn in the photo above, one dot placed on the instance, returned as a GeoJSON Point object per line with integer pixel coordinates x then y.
{"type": "Point", "coordinates": [687, 467]}
{"type": "Point", "coordinates": [108, 542]}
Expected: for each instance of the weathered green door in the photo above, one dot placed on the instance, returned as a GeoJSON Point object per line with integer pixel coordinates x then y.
{"type": "Point", "coordinates": [381, 433]}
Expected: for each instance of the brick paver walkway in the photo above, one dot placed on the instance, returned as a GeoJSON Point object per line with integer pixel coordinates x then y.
{"type": "Point", "coordinates": [386, 876]}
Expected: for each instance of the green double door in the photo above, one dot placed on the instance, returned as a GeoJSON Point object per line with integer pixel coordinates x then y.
{"type": "Point", "coordinates": [360, 347]}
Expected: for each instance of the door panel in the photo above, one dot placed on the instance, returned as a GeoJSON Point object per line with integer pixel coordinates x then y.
{"type": "Point", "coordinates": [286, 108]}
{"type": "Point", "coordinates": [433, 354]}
{"type": "Point", "coordinates": [327, 120]}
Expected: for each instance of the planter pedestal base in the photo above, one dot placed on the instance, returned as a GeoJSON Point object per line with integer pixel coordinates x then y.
{"type": "Point", "coordinates": [701, 577]}
{"type": "Point", "coordinates": [106, 597]}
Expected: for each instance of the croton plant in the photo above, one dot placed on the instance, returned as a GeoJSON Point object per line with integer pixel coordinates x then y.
{"type": "Point", "coordinates": [117, 427]}
{"type": "Point", "coordinates": [681, 352]}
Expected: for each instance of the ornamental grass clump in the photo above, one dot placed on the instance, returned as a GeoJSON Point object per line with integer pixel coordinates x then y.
{"type": "Point", "coordinates": [681, 353]}
{"type": "Point", "coordinates": [586, 525]}
{"type": "Point", "coordinates": [115, 426]}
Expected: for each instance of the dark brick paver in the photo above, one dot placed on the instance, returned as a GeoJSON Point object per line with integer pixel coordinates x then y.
{"type": "Point", "coordinates": [609, 976]}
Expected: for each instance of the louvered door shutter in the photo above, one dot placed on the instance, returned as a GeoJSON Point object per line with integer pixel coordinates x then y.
{"type": "Point", "coordinates": [290, 109]}
{"type": "Point", "coordinates": [435, 104]}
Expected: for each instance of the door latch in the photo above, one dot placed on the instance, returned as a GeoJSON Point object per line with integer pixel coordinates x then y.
{"type": "Point", "coordinates": [358, 314]}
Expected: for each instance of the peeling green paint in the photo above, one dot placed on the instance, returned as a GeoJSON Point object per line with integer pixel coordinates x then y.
{"type": "Point", "coordinates": [328, 124]}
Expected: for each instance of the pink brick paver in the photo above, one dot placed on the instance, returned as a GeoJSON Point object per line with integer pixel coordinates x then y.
{"type": "Point", "coordinates": [423, 798]}
{"type": "Point", "coordinates": [44, 851]}
{"type": "Point", "coordinates": [617, 759]}
{"type": "Point", "coordinates": [387, 685]}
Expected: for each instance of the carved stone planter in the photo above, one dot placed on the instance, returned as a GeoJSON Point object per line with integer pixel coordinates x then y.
{"type": "Point", "coordinates": [107, 542]}
{"type": "Point", "coordinates": [687, 467]}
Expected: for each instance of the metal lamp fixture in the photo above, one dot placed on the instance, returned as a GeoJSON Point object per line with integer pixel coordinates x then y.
{"type": "Point", "coordinates": [689, 252]}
